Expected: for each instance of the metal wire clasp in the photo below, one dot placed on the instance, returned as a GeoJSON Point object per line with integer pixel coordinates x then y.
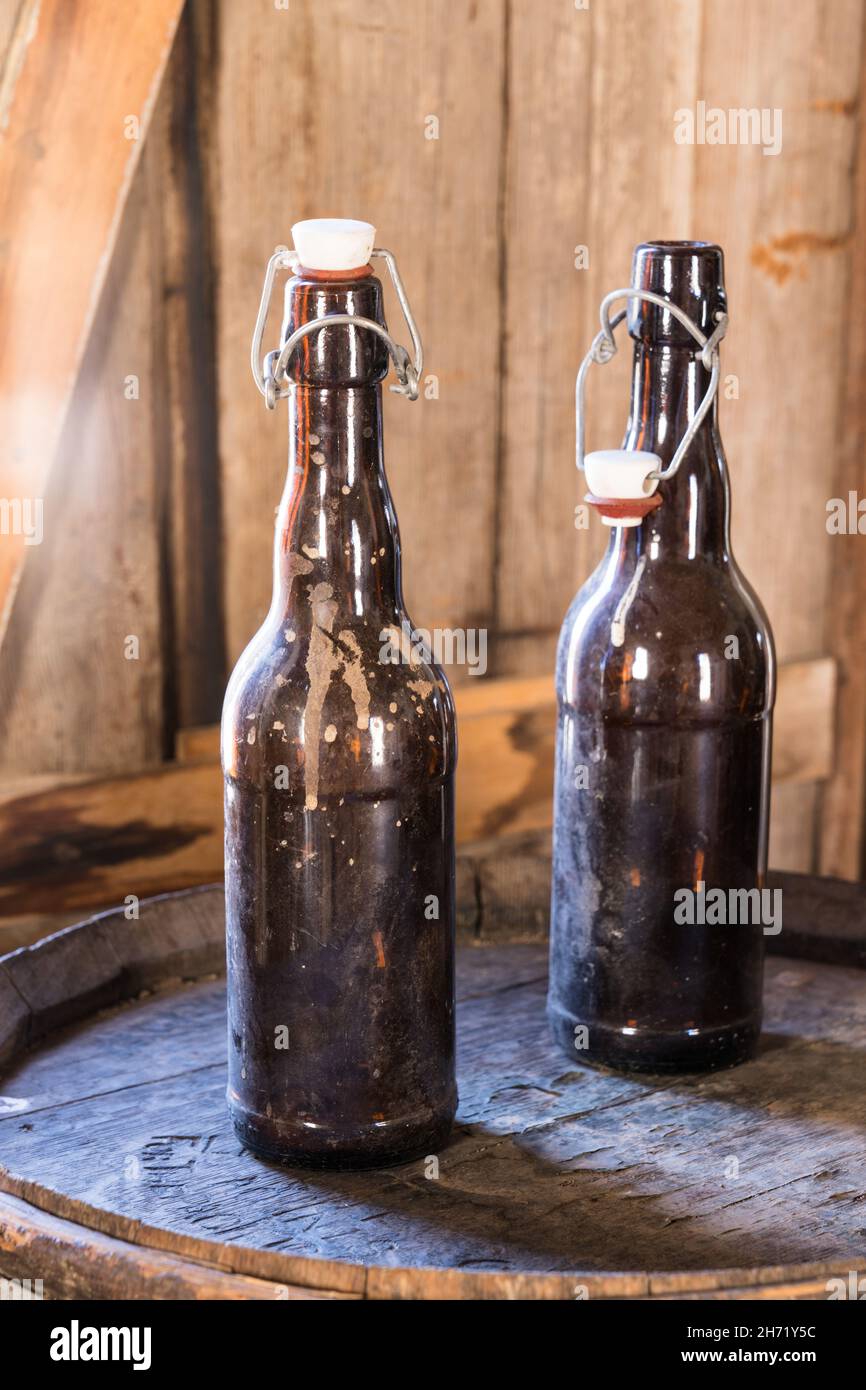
{"type": "Point", "coordinates": [270, 373]}
{"type": "Point", "coordinates": [604, 347]}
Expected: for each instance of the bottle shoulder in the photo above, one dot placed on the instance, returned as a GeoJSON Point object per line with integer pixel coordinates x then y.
{"type": "Point", "coordinates": [339, 701]}
{"type": "Point", "coordinates": [655, 641]}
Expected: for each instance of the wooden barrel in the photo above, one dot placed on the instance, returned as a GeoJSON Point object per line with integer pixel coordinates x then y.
{"type": "Point", "coordinates": [121, 1177]}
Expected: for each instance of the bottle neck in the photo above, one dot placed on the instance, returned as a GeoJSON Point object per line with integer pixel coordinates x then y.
{"type": "Point", "coordinates": [668, 385]}
{"type": "Point", "coordinates": [336, 524]}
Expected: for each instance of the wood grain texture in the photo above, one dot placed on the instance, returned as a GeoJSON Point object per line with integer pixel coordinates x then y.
{"type": "Point", "coordinates": [557, 1176]}
{"type": "Point", "coordinates": [85, 843]}
{"type": "Point", "coordinates": [786, 223]}
{"type": "Point", "coordinates": [792, 825]}
{"type": "Point", "coordinates": [17, 18]}
{"type": "Point", "coordinates": [804, 721]}
{"type": "Point", "coordinates": [787, 235]}
{"type": "Point", "coordinates": [322, 112]}
{"type": "Point", "coordinates": [49, 129]}
{"type": "Point", "coordinates": [180, 170]}
{"type": "Point", "coordinates": [590, 165]}
{"type": "Point", "coordinates": [540, 557]}
{"type": "Point", "coordinates": [70, 700]}
{"type": "Point", "coordinates": [843, 799]}
{"type": "Point", "coordinates": [75, 1263]}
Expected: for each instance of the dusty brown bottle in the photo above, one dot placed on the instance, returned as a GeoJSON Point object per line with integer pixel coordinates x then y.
{"type": "Point", "coordinates": [339, 793]}
{"type": "Point", "coordinates": [665, 679]}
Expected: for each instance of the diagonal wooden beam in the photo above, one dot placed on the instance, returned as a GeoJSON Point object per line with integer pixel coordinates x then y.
{"type": "Point", "coordinates": [75, 103]}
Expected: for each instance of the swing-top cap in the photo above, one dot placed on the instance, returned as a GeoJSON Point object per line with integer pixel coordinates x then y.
{"type": "Point", "coordinates": [333, 243]}
{"type": "Point", "coordinates": [621, 486]}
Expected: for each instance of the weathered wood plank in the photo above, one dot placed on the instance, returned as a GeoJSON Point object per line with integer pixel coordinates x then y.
{"type": "Point", "coordinates": [92, 588]}
{"type": "Point", "coordinates": [591, 171]}
{"type": "Point", "coordinates": [14, 1018]}
{"type": "Point", "coordinates": [843, 800]}
{"type": "Point", "coordinates": [84, 843]}
{"type": "Point", "coordinates": [804, 721]}
{"type": "Point", "coordinates": [540, 557]}
{"type": "Point", "coordinates": [787, 239]}
{"type": "Point", "coordinates": [352, 87]}
{"type": "Point", "coordinates": [792, 826]}
{"type": "Point", "coordinates": [180, 169]}
{"type": "Point", "coordinates": [787, 235]}
{"type": "Point", "coordinates": [17, 18]}
{"type": "Point", "coordinates": [49, 130]}
{"type": "Point", "coordinates": [824, 919]}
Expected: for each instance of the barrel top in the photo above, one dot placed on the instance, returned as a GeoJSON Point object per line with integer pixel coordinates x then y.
{"type": "Point", "coordinates": [559, 1179]}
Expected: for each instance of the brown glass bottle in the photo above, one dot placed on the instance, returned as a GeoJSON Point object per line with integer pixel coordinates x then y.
{"type": "Point", "coordinates": [665, 679]}
{"type": "Point", "coordinates": [339, 795]}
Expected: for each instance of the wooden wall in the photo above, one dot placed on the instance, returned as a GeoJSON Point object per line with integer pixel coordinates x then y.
{"type": "Point", "coordinates": [555, 130]}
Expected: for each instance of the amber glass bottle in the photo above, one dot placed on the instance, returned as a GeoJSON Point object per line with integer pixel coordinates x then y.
{"type": "Point", "coordinates": [339, 795]}
{"type": "Point", "coordinates": [665, 679]}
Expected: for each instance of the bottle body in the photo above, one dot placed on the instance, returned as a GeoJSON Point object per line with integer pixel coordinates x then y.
{"type": "Point", "coordinates": [339, 769]}
{"type": "Point", "coordinates": [665, 687]}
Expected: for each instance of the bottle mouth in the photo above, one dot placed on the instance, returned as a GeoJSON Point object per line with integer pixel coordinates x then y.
{"type": "Point", "coordinates": [691, 274]}
{"type": "Point", "coordinates": [683, 248]}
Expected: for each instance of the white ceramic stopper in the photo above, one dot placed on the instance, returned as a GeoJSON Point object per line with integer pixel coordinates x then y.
{"type": "Point", "coordinates": [333, 243]}
{"type": "Point", "coordinates": [621, 474]}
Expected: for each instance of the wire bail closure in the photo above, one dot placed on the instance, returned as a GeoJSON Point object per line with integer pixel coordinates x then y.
{"type": "Point", "coordinates": [270, 373]}
{"type": "Point", "coordinates": [604, 348]}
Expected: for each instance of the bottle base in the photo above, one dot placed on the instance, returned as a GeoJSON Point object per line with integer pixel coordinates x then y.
{"type": "Point", "coordinates": [382, 1144]}
{"type": "Point", "coordinates": [609, 1048]}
